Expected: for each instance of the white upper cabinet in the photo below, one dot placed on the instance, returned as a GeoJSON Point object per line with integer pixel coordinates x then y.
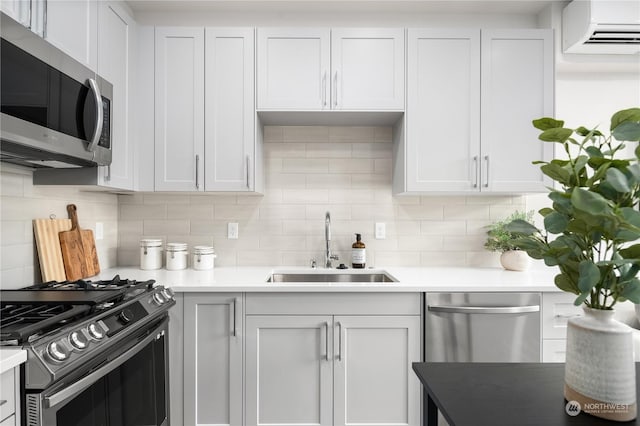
{"type": "Point", "coordinates": [116, 41]}
{"type": "Point", "coordinates": [321, 69]}
{"type": "Point", "coordinates": [72, 26]}
{"type": "Point", "coordinates": [470, 101]}
{"type": "Point", "coordinates": [517, 87]}
{"type": "Point", "coordinates": [19, 10]}
{"type": "Point", "coordinates": [179, 109]}
{"type": "Point", "coordinates": [230, 109]}
{"type": "Point", "coordinates": [443, 110]}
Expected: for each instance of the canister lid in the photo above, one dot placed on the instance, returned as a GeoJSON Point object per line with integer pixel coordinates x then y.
{"type": "Point", "coordinates": [203, 250]}
{"type": "Point", "coordinates": [176, 246]}
{"type": "Point", "coordinates": [150, 242]}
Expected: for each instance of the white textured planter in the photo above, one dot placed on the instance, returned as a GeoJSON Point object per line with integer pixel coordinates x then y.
{"type": "Point", "coordinates": [515, 260]}
{"type": "Point", "coordinates": [599, 369]}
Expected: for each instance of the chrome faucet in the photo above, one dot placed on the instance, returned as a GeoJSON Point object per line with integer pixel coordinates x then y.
{"type": "Point", "coordinates": [328, 257]}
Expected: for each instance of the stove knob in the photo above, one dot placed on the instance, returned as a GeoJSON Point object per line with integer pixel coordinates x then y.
{"type": "Point", "coordinates": [158, 299]}
{"type": "Point", "coordinates": [168, 293]}
{"type": "Point", "coordinates": [95, 331]}
{"type": "Point", "coordinates": [57, 351]}
{"type": "Point", "coordinates": [78, 340]}
{"type": "Point", "coordinates": [125, 316]}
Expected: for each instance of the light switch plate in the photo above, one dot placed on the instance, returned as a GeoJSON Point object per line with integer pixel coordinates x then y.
{"type": "Point", "coordinates": [232, 231]}
{"type": "Point", "coordinates": [99, 231]}
{"type": "Point", "coordinates": [381, 231]}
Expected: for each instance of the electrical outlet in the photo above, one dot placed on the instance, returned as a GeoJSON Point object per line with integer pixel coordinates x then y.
{"type": "Point", "coordinates": [381, 231]}
{"type": "Point", "coordinates": [232, 231]}
{"type": "Point", "coordinates": [99, 231]}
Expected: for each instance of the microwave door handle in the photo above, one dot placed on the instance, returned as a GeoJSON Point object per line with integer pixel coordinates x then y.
{"type": "Point", "coordinates": [84, 383]}
{"type": "Point", "coordinates": [99, 115]}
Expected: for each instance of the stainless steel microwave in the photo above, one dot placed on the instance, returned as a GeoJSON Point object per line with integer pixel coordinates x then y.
{"type": "Point", "coordinates": [56, 112]}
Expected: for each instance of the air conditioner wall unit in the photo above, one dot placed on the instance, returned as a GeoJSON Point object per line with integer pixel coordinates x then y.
{"type": "Point", "coordinates": [601, 27]}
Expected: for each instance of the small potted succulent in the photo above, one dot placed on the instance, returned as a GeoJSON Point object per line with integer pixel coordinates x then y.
{"type": "Point", "coordinates": [499, 238]}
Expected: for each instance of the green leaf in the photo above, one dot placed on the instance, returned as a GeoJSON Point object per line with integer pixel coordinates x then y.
{"type": "Point", "coordinates": [589, 275]}
{"type": "Point", "coordinates": [594, 151]}
{"type": "Point", "coordinates": [556, 135]}
{"type": "Point", "coordinates": [625, 115]}
{"type": "Point", "coordinates": [617, 180]}
{"type": "Point", "coordinates": [545, 211]}
{"type": "Point", "coordinates": [581, 298]}
{"type": "Point", "coordinates": [627, 131]}
{"type": "Point", "coordinates": [631, 252]}
{"type": "Point", "coordinates": [631, 290]}
{"type": "Point", "coordinates": [590, 202]}
{"type": "Point", "coordinates": [521, 227]}
{"type": "Point", "coordinates": [556, 223]}
{"type": "Point", "coordinates": [546, 123]}
{"type": "Point", "coordinates": [556, 172]}
{"type": "Point", "coordinates": [564, 283]}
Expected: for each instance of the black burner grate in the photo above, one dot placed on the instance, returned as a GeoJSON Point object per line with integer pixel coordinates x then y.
{"type": "Point", "coordinates": [21, 322]}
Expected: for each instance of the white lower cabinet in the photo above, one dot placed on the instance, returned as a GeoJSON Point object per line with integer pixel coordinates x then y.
{"type": "Point", "coordinates": [557, 308]}
{"type": "Point", "coordinates": [9, 397]}
{"type": "Point", "coordinates": [332, 359]}
{"type": "Point", "coordinates": [212, 359]}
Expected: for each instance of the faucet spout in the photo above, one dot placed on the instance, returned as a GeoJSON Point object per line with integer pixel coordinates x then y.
{"type": "Point", "coordinates": [328, 257]}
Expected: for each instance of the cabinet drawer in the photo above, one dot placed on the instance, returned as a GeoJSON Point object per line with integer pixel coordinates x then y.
{"type": "Point", "coordinates": [9, 421]}
{"type": "Point", "coordinates": [554, 350]}
{"type": "Point", "coordinates": [7, 394]}
{"type": "Point", "coordinates": [557, 308]}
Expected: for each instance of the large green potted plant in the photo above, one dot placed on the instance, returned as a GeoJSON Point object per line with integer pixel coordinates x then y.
{"type": "Point", "coordinates": [591, 233]}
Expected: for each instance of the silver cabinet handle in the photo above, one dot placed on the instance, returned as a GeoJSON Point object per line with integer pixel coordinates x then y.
{"type": "Point", "coordinates": [85, 382]}
{"type": "Point", "coordinates": [97, 131]}
{"type": "Point", "coordinates": [234, 330]}
{"type": "Point", "coordinates": [475, 175]}
{"type": "Point", "coordinates": [483, 309]}
{"type": "Point", "coordinates": [197, 171]}
{"type": "Point", "coordinates": [2, 402]}
{"type": "Point", "coordinates": [326, 340]}
{"type": "Point", "coordinates": [486, 159]}
{"type": "Point", "coordinates": [324, 89]}
{"type": "Point", "coordinates": [339, 326]}
{"type": "Point", "coordinates": [108, 176]}
{"type": "Point", "coordinates": [248, 173]}
{"type": "Point", "coordinates": [335, 89]}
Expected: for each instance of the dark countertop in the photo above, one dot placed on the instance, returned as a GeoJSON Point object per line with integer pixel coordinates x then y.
{"type": "Point", "coordinates": [502, 394]}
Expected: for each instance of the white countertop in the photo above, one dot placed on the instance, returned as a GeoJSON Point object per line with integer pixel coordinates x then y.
{"type": "Point", "coordinates": [10, 358]}
{"type": "Point", "coordinates": [253, 279]}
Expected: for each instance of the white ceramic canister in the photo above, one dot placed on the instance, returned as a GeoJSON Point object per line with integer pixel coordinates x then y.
{"type": "Point", "coordinates": [203, 258]}
{"type": "Point", "coordinates": [150, 254]}
{"type": "Point", "coordinates": [176, 256]}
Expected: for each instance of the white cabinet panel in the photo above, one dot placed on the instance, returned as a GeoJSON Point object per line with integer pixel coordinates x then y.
{"type": "Point", "coordinates": [293, 68]}
{"type": "Point", "coordinates": [19, 10]}
{"type": "Point", "coordinates": [373, 379]}
{"type": "Point", "coordinates": [179, 109]}
{"type": "Point", "coordinates": [230, 110]}
{"type": "Point", "coordinates": [213, 359]}
{"type": "Point", "coordinates": [288, 370]}
{"type": "Point", "coordinates": [554, 350]}
{"type": "Point", "coordinates": [517, 87]}
{"type": "Point", "coordinates": [443, 110]}
{"type": "Point", "coordinates": [367, 68]}
{"type": "Point", "coordinates": [72, 25]}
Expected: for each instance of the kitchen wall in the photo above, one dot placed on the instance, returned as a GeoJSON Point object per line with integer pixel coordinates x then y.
{"type": "Point", "coordinates": [311, 170]}
{"type": "Point", "coordinates": [21, 202]}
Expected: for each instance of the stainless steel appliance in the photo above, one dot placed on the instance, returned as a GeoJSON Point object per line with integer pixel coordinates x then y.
{"type": "Point", "coordinates": [55, 111]}
{"type": "Point", "coordinates": [97, 351]}
{"type": "Point", "coordinates": [482, 327]}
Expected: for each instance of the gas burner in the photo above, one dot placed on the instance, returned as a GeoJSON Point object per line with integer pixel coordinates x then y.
{"type": "Point", "coordinates": [116, 283]}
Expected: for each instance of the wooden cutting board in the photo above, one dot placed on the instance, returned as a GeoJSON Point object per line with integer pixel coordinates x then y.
{"type": "Point", "coordinates": [78, 249]}
{"type": "Point", "coordinates": [48, 245]}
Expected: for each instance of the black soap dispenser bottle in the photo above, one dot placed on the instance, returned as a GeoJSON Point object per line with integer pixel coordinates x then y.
{"type": "Point", "coordinates": [358, 253]}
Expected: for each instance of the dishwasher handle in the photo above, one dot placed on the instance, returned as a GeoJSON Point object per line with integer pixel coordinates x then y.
{"type": "Point", "coordinates": [453, 309]}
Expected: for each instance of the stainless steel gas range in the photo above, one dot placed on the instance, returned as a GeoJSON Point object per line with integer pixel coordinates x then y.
{"type": "Point", "coordinates": [97, 351]}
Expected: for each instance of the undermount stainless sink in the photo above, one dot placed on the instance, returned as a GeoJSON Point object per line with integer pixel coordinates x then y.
{"type": "Point", "coordinates": [330, 277]}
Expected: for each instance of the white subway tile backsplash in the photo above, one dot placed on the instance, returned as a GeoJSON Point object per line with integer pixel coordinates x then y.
{"type": "Point", "coordinates": [305, 196]}
{"type": "Point", "coordinates": [351, 165]}
{"type": "Point", "coordinates": [328, 150]}
{"type": "Point", "coordinates": [305, 134]}
{"type": "Point", "coordinates": [352, 134]}
{"type": "Point", "coordinates": [305, 165]}
{"type": "Point", "coordinates": [190, 211]}
{"type": "Point", "coordinates": [140, 212]}
{"type": "Point", "coordinates": [166, 227]}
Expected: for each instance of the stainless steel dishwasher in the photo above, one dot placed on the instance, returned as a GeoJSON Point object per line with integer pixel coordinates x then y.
{"type": "Point", "coordinates": [482, 327]}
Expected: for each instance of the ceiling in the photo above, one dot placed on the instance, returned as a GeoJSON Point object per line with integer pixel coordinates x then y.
{"type": "Point", "coordinates": [402, 6]}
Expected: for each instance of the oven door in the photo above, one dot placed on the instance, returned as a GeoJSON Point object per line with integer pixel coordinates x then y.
{"type": "Point", "coordinates": [128, 388]}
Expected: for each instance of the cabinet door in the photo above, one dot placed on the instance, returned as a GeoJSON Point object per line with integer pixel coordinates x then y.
{"type": "Point", "coordinates": [179, 109]}
{"type": "Point", "coordinates": [72, 25]}
{"type": "Point", "coordinates": [230, 110]}
{"type": "Point", "coordinates": [213, 359]}
{"type": "Point", "coordinates": [293, 68]}
{"type": "Point", "coordinates": [19, 10]}
{"type": "Point", "coordinates": [367, 69]}
{"type": "Point", "coordinates": [288, 370]}
{"type": "Point", "coordinates": [517, 87]}
{"type": "Point", "coordinates": [115, 63]}
{"type": "Point", "coordinates": [443, 110]}
{"type": "Point", "coordinates": [373, 379]}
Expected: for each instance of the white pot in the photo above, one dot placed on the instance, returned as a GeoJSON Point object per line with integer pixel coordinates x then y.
{"type": "Point", "coordinates": [515, 260]}
{"type": "Point", "coordinates": [600, 370]}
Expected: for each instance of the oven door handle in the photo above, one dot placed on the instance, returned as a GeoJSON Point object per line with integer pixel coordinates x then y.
{"type": "Point", "coordinates": [82, 384]}
{"type": "Point", "coordinates": [97, 131]}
